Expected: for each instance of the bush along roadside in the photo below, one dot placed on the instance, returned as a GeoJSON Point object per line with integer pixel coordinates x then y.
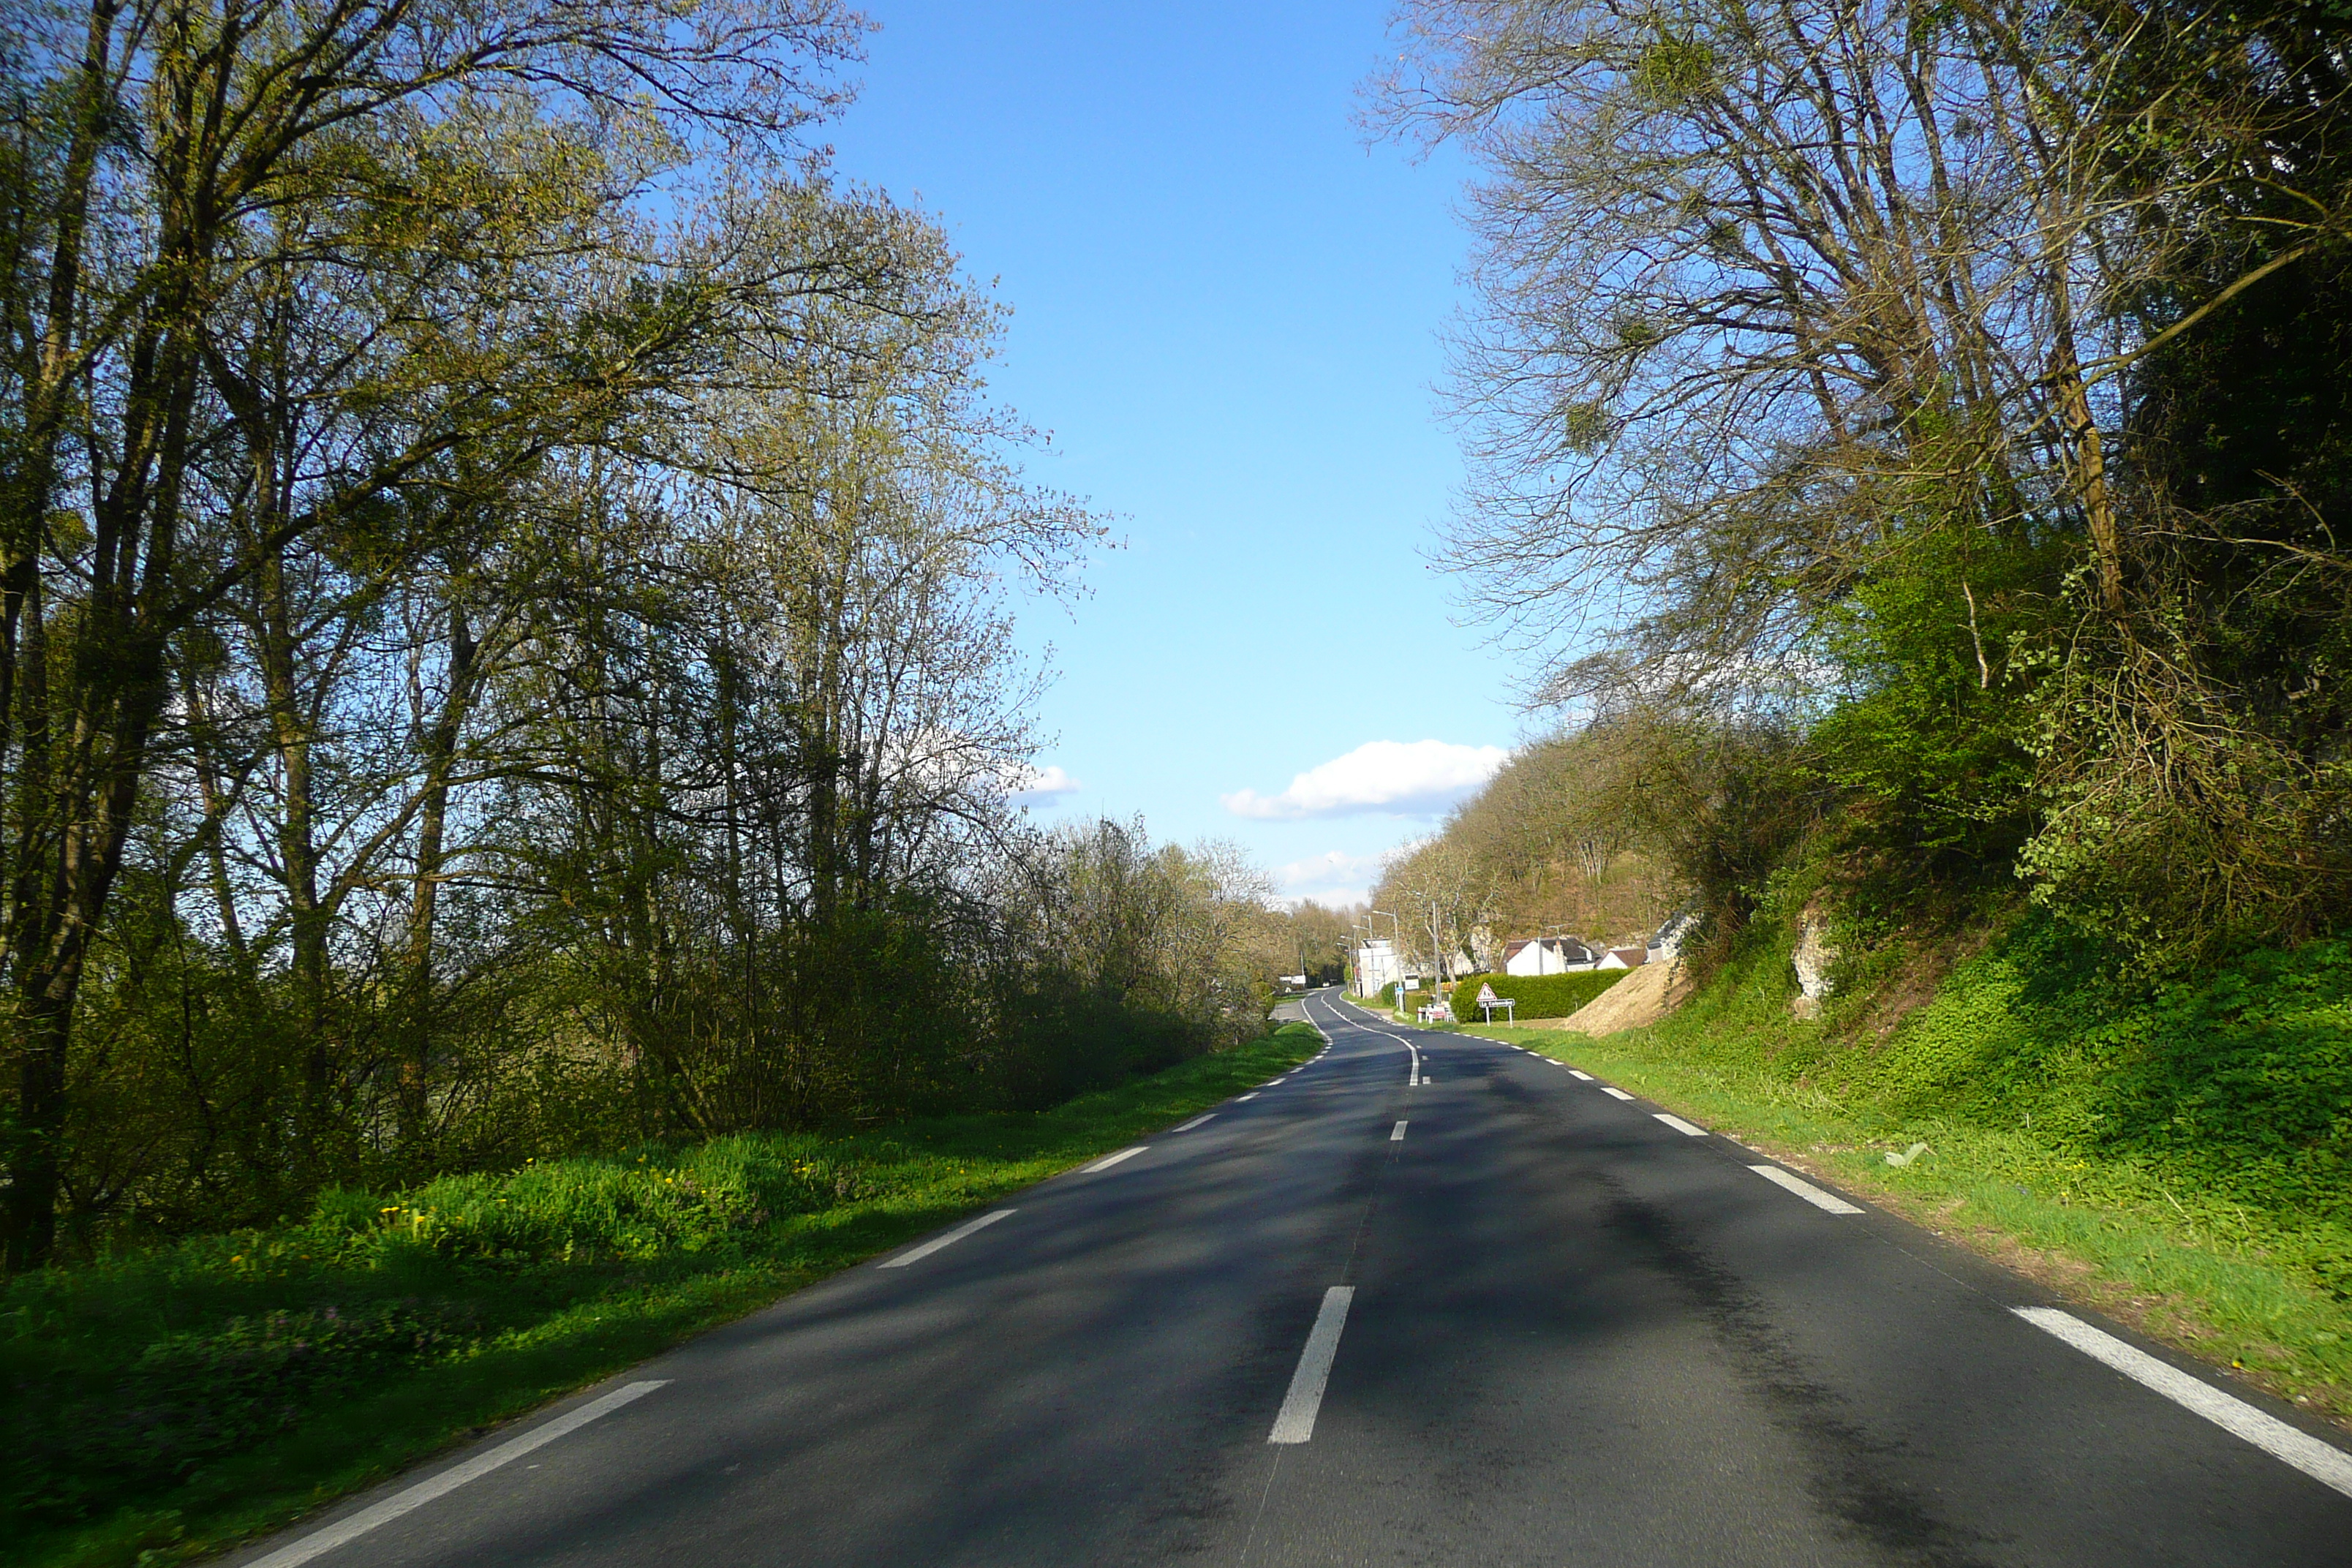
{"type": "Point", "coordinates": [2178, 1155]}
{"type": "Point", "coordinates": [1537, 996]}
{"type": "Point", "coordinates": [163, 1406]}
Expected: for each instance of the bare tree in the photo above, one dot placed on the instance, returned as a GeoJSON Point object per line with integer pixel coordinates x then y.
{"type": "Point", "coordinates": [1772, 291]}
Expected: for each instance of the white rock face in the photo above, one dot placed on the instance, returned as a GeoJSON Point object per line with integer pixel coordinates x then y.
{"type": "Point", "coordinates": [1678, 930]}
{"type": "Point", "coordinates": [1811, 961]}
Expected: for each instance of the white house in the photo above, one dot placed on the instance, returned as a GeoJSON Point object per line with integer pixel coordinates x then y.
{"type": "Point", "coordinates": [1624, 957]}
{"type": "Point", "coordinates": [1547, 956]}
{"type": "Point", "coordinates": [1378, 963]}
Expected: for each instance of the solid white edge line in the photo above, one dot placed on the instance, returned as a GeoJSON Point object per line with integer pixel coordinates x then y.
{"type": "Point", "coordinates": [1686, 1129]}
{"type": "Point", "coordinates": [1398, 1135]}
{"type": "Point", "coordinates": [1573, 1072]}
{"type": "Point", "coordinates": [2323, 1462]}
{"type": "Point", "coordinates": [1296, 1421]}
{"type": "Point", "coordinates": [1107, 1161]}
{"type": "Point", "coordinates": [1805, 1189]}
{"type": "Point", "coordinates": [456, 1476]}
{"type": "Point", "coordinates": [1196, 1122]}
{"type": "Point", "coordinates": [950, 1239]}
{"type": "Point", "coordinates": [1613, 1093]}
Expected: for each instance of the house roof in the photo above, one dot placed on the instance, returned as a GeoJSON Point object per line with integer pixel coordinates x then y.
{"type": "Point", "coordinates": [1556, 943]}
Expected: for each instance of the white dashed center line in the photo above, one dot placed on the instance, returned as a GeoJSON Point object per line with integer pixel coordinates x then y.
{"type": "Point", "coordinates": [1813, 1194]}
{"type": "Point", "coordinates": [1397, 1136]}
{"type": "Point", "coordinates": [1679, 1125]}
{"type": "Point", "coordinates": [1295, 1423]}
{"type": "Point", "coordinates": [1107, 1161]}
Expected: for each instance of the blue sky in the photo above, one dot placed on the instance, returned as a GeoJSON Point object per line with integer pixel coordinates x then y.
{"type": "Point", "coordinates": [1228, 312]}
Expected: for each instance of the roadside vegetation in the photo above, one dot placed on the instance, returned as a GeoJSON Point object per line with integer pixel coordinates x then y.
{"type": "Point", "coordinates": [514, 765]}
{"type": "Point", "coordinates": [1537, 996]}
{"type": "Point", "coordinates": [2175, 1155]}
{"type": "Point", "coordinates": [504, 631]}
{"type": "Point", "coordinates": [1908, 447]}
{"type": "Point", "coordinates": [165, 1403]}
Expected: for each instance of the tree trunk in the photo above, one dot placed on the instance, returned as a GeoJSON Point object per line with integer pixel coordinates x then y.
{"type": "Point", "coordinates": [433, 818]}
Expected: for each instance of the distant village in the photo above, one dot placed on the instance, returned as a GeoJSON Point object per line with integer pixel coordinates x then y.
{"type": "Point", "coordinates": [1380, 961]}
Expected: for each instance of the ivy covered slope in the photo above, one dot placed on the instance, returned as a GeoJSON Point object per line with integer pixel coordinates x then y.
{"type": "Point", "coordinates": [2178, 1151]}
{"type": "Point", "coordinates": [161, 1405]}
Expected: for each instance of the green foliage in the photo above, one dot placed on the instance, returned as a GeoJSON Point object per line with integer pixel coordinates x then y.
{"type": "Point", "coordinates": [1404, 1001]}
{"type": "Point", "coordinates": [215, 1382]}
{"type": "Point", "coordinates": [2182, 821]}
{"type": "Point", "coordinates": [1674, 70]}
{"type": "Point", "coordinates": [1539, 995]}
{"type": "Point", "coordinates": [1584, 427]}
{"type": "Point", "coordinates": [2188, 1140]}
{"type": "Point", "coordinates": [1072, 1039]}
{"type": "Point", "coordinates": [1726, 806]}
{"type": "Point", "coordinates": [2229, 1091]}
{"type": "Point", "coordinates": [1931, 726]}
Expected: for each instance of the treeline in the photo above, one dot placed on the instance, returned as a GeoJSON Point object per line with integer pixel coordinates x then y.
{"type": "Point", "coordinates": [503, 629]}
{"type": "Point", "coordinates": [1916, 435]}
{"type": "Point", "coordinates": [1569, 837]}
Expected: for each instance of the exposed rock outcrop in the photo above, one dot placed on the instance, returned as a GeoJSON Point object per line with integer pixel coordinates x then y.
{"type": "Point", "coordinates": [1813, 960]}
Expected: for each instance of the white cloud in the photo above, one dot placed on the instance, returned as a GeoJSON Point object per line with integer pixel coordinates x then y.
{"type": "Point", "coordinates": [1331, 877]}
{"type": "Point", "coordinates": [1394, 778]}
{"type": "Point", "coordinates": [1037, 786]}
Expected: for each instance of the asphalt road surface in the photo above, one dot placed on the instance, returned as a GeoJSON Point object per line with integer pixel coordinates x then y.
{"type": "Point", "coordinates": [1500, 1316]}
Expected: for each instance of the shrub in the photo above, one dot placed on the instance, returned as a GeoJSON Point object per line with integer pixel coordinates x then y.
{"type": "Point", "coordinates": [1537, 996]}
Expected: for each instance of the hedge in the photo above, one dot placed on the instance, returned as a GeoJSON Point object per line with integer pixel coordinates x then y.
{"type": "Point", "coordinates": [1539, 995]}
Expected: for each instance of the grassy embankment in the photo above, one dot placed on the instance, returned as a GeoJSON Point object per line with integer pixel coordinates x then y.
{"type": "Point", "coordinates": [2180, 1157]}
{"type": "Point", "coordinates": [165, 1404]}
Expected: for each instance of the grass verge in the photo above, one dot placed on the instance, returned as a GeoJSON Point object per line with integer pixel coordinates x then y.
{"type": "Point", "coordinates": [162, 1407]}
{"type": "Point", "coordinates": [2047, 1149]}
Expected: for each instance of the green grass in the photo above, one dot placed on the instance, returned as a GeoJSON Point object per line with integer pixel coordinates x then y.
{"type": "Point", "coordinates": [166, 1405]}
{"type": "Point", "coordinates": [2175, 1155]}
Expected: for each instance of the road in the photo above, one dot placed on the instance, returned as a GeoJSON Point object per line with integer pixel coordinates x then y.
{"type": "Point", "coordinates": [1551, 1328]}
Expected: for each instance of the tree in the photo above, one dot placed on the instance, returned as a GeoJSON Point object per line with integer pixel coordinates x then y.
{"type": "Point", "coordinates": [187, 172]}
{"type": "Point", "coordinates": [1833, 351]}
